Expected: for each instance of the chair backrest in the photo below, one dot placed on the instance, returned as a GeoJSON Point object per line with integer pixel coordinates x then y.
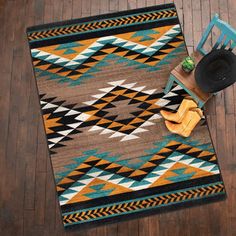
{"type": "Point", "coordinates": [227, 37]}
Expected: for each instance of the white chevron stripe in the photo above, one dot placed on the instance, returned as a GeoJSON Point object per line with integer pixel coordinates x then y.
{"type": "Point", "coordinates": [106, 38]}
{"type": "Point", "coordinates": [49, 105]}
{"type": "Point", "coordinates": [129, 137]}
{"type": "Point", "coordinates": [60, 60]}
{"type": "Point", "coordinates": [151, 180]}
{"type": "Point", "coordinates": [71, 195]}
{"type": "Point", "coordinates": [116, 134]}
{"type": "Point", "coordinates": [98, 44]}
{"type": "Point", "coordinates": [117, 83]}
{"type": "Point", "coordinates": [52, 56]}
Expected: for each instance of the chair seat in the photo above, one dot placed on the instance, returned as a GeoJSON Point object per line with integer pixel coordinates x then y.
{"type": "Point", "coordinates": [188, 79]}
{"type": "Point", "coordinates": [188, 83]}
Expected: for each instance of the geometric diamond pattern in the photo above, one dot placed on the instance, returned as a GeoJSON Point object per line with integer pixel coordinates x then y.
{"type": "Point", "coordinates": [60, 121]}
{"type": "Point", "coordinates": [148, 104]}
{"type": "Point", "coordinates": [63, 121]}
{"type": "Point", "coordinates": [129, 127]}
{"type": "Point", "coordinates": [174, 162]}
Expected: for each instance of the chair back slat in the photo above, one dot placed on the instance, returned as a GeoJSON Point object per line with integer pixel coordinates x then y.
{"type": "Point", "coordinates": [219, 41]}
{"type": "Point", "coordinates": [225, 43]}
{"type": "Point", "coordinates": [227, 35]}
{"type": "Point", "coordinates": [232, 46]}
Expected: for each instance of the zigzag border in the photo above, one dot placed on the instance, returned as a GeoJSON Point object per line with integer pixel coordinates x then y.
{"type": "Point", "coordinates": [151, 202]}
{"type": "Point", "coordinates": [103, 24]}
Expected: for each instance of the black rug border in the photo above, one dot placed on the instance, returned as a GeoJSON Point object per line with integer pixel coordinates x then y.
{"type": "Point", "coordinates": [148, 212]}
{"type": "Point", "coordinates": [87, 35]}
{"type": "Point", "coordinates": [116, 199]}
{"type": "Point", "coordinates": [42, 27]}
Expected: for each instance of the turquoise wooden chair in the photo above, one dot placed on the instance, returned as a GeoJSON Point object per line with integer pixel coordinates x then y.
{"type": "Point", "coordinates": [226, 40]}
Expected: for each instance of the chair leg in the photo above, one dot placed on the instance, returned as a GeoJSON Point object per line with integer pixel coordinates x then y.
{"type": "Point", "coordinates": [169, 84]}
{"type": "Point", "coordinates": [200, 104]}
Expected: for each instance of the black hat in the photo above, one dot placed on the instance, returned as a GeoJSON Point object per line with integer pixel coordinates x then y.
{"type": "Point", "coordinates": [216, 71]}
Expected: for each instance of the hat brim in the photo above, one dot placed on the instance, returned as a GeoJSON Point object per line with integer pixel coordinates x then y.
{"type": "Point", "coordinates": [216, 71]}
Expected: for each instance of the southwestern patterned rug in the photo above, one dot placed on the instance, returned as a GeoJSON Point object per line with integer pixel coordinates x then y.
{"type": "Point", "coordinates": [100, 81]}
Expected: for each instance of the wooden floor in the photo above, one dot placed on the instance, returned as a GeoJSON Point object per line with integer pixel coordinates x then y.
{"type": "Point", "coordinates": [28, 204]}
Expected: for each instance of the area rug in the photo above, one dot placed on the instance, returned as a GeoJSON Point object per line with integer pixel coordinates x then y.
{"type": "Point", "coordinates": [100, 81]}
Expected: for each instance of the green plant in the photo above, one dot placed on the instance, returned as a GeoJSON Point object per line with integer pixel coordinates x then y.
{"type": "Point", "coordinates": [188, 64]}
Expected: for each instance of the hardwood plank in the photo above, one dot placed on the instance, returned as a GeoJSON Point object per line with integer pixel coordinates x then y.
{"type": "Point", "coordinates": [23, 94]}
{"type": "Point", "coordinates": [221, 125]}
{"type": "Point", "coordinates": [154, 225]}
{"type": "Point", "coordinates": [230, 92]}
{"type": "Point", "coordinates": [28, 222]}
{"type": "Point", "coordinates": [170, 228]}
{"type": "Point", "coordinates": [197, 26]}
{"type": "Point", "coordinates": [123, 228]}
{"type": "Point", "coordinates": [50, 203]}
{"type": "Point", "coordinates": [188, 22]}
{"type": "Point", "coordinates": [5, 70]}
{"type": "Point", "coordinates": [57, 10]}
{"type": "Point", "coordinates": [59, 228]}
{"type": "Point", "coordinates": [145, 225]}
{"type": "Point", "coordinates": [232, 10]}
{"type": "Point", "coordinates": [179, 7]}
{"type": "Point", "coordinates": [48, 11]}
{"type": "Point", "coordinates": [112, 229]}
{"type": "Point", "coordinates": [132, 4]}
{"type": "Point", "coordinates": [32, 129]}
{"type": "Point", "coordinates": [86, 9]}
{"type": "Point", "coordinates": [39, 10]}
{"type": "Point", "coordinates": [223, 104]}
{"type": "Point", "coordinates": [42, 150]}
{"type": "Point", "coordinates": [16, 87]}
{"type": "Point", "coordinates": [133, 229]}
{"type": "Point", "coordinates": [229, 161]}
{"type": "Point", "coordinates": [76, 8]}
{"type": "Point", "coordinates": [159, 2]}
{"type": "Point", "coordinates": [104, 6]}
{"type": "Point", "coordinates": [150, 2]}
{"type": "Point", "coordinates": [122, 5]}
{"type": "Point", "coordinates": [99, 231]}
{"type": "Point", "coordinates": [214, 8]}
{"type": "Point", "coordinates": [219, 98]}
{"type": "Point", "coordinates": [11, 180]}
{"type": "Point", "coordinates": [95, 8]}
{"type": "Point", "coordinates": [211, 121]}
{"type": "Point", "coordinates": [141, 3]}
{"type": "Point", "coordinates": [67, 10]}
{"type": "Point", "coordinates": [113, 5]}
{"type": "Point", "coordinates": [40, 194]}
{"type": "Point", "coordinates": [206, 18]}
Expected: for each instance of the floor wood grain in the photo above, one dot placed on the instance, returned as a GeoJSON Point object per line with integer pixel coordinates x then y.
{"type": "Point", "coordinates": [28, 204]}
